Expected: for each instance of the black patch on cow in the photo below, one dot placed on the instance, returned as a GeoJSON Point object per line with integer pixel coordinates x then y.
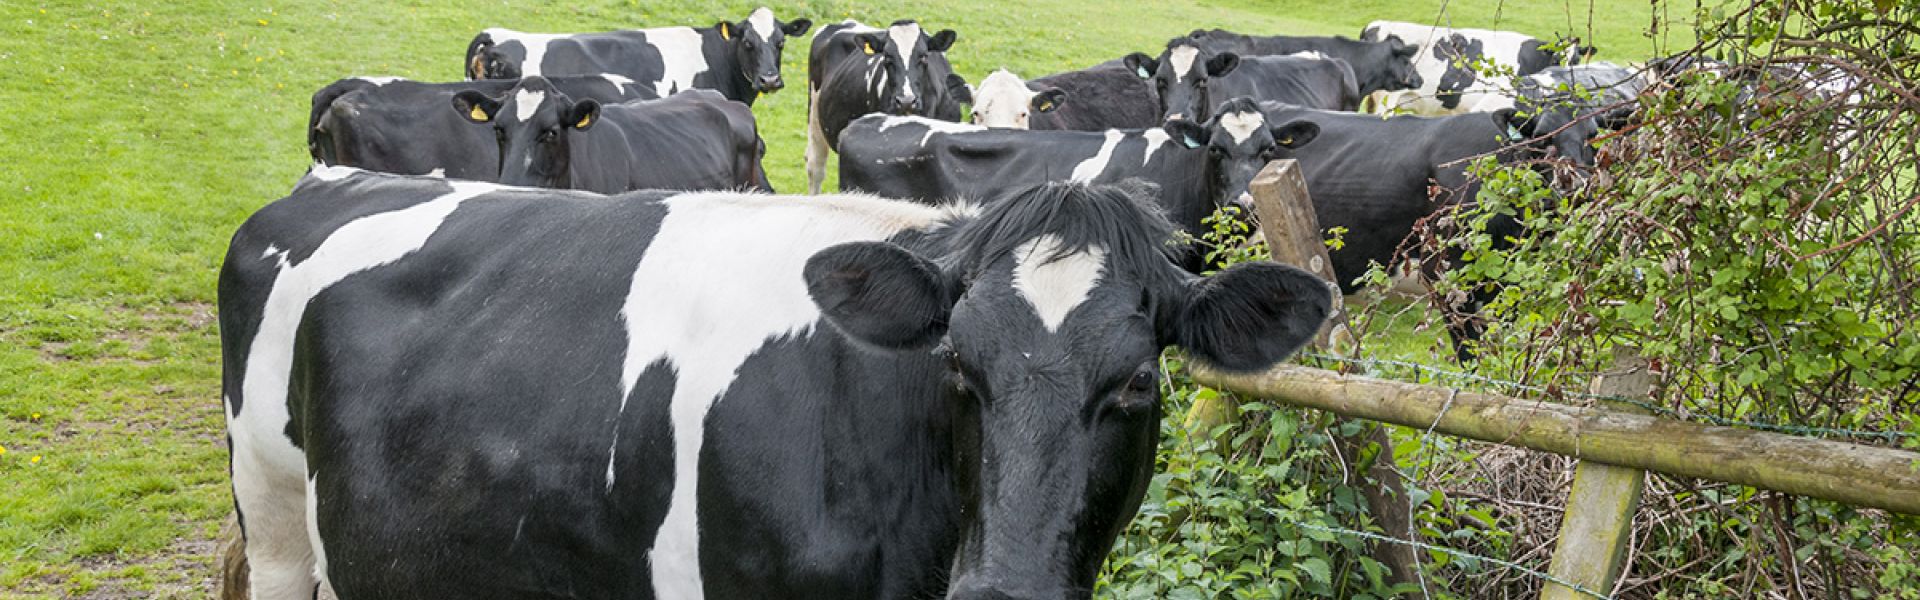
{"type": "Point", "coordinates": [1462, 55]}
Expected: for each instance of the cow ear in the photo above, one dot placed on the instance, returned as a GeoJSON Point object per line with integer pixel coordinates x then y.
{"type": "Point", "coordinates": [1295, 134]}
{"type": "Point", "coordinates": [1049, 99]}
{"type": "Point", "coordinates": [1222, 64]}
{"type": "Point", "coordinates": [1400, 48]}
{"type": "Point", "coordinates": [797, 27]}
{"type": "Point", "coordinates": [880, 294]}
{"type": "Point", "coordinates": [727, 30]}
{"type": "Point", "coordinates": [1250, 316]}
{"type": "Point", "coordinates": [1141, 64]}
{"type": "Point", "coordinates": [941, 42]}
{"type": "Point", "coordinates": [958, 88]}
{"type": "Point", "coordinates": [475, 106]}
{"type": "Point", "coordinates": [871, 43]}
{"type": "Point", "coordinates": [584, 114]}
{"type": "Point", "coordinates": [1187, 133]}
{"type": "Point", "coordinates": [1512, 127]}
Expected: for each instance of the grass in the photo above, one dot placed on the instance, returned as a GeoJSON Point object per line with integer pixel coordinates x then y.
{"type": "Point", "coordinates": [137, 136]}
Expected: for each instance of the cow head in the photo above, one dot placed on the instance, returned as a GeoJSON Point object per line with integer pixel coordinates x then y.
{"type": "Point", "coordinates": [1239, 142]}
{"type": "Point", "coordinates": [1569, 135]}
{"type": "Point", "coordinates": [1399, 74]}
{"type": "Point", "coordinates": [1051, 309]}
{"type": "Point", "coordinates": [532, 123]}
{"type": "Point", "coordinates": [487, 59]}
{"type": "Point", "coordinates": [907, 70]}
{"type": "Point", "coordinates": [1180, 77]}
{"type": "Point", "coordinates": [756, 44]}
{"type": "Point", "coordinates": [1462, 56]}
{"type": "Point", "coordinates": [1004, 101]}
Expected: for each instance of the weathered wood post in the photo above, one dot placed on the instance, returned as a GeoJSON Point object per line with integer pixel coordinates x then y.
{"type": "Point", "coordinates": [1598, 525]}
{"type": "Point", "coordinates": [1292, 230]}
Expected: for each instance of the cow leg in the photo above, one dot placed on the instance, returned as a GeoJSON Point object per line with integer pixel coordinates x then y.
{"type": "Point", "coordinates": [816, 145]}
{"type": "Point", "coordinates": [273, 509]}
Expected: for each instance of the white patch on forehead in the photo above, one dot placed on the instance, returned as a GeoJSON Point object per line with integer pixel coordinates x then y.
{"type": "Point", "coordinates": [761, 22]}
{"type": "Point", "coordinates": [703, 328]}
{"type": "Point", "coordinates": [681, 57]}
{"type": "Point", "coordinates": [1055, 287]}
{"type": "Point", "coordinates": [620, 82]}
{"type": "Point", "coordinates": [904, 37]}
{"type": "Point", "coordinates": [1181, 59]}
{"type": "Point", "coordinates": [380, 81]}
{"type": "Point", "coordinates": [1093, 167]}
{"type": "Point", "coordinates": [933, 126]}
{"type": "Point", "coordinates": [534, 43]}
{"type": "Point", "coordinates": [1156, 137]}
{"type": "Point", "coordinates": [1241, 125]}
{"type": "Point", "coordinates": [527, 103]}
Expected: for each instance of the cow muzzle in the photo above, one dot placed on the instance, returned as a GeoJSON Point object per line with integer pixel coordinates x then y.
{"type": "Point", "coordinates": [769, 83]}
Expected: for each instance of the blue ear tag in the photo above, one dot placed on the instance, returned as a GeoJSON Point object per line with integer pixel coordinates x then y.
{"type": "Point", "coordinates": [1513, 133]}
{"type": "Point", "coordinates": [1189, 141]}
{"type": "Point", "coordinates": [1143, 72]}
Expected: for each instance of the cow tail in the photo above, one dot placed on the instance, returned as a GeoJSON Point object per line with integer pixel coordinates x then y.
{"type": "Point", "coordinates": [319, 126]}
{"type": "Point", "coordinates": [476, 66]}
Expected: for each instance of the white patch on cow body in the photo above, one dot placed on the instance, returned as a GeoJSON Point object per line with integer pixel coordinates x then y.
{"type": "Point", "coordinates": [761, 22]}
{"type": "Point", "coordinates": [1241, 125]}
{"type": "Point", "coordinates": [705, 327]}
{"type": "Point", "coordinates": [1093, 167]}
{"type": "Point", "coordinates": [535, 45]}
{"type": "Point", "coordinates": [1181, 59]}
{"type": "Point", "coordinates": [380, 81]}
{"type": "Point", "coordinates": [330, 172]}
{"type": "Point", "coordinates": [1055, 286]}
{"type": "Point", "coordinates": [437, 173]}
{"type": "Point", "coordinates": [933, 126]}
{"type": "Point", "coordinates": [1499, 47]}
{"type": "Point", "coordinates": [527, 103]}
{"type": "Point", "coordinates": [1155, 137]}
{"type": "Point", "coordinates": [904, 37]}
{"type": "Point", "coordinates": [313, 532]}
{"type": "Point", "coordinates": [681, 57]}
{"type": "Point", "coordinates": [1002, 100]}
{"type": "Point", "coordinates": [620, 82]}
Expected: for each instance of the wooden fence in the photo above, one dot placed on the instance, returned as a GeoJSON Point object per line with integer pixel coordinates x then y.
{"type": "Point", "coordinates": [1615, 445]}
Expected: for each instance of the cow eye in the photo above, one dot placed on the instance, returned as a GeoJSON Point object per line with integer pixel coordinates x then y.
{"type": "Point", "coordinates": [547, 136]}
{"type": "Point", "coordinates": [1216, 151]}
{"type": "Point", "coordinates": [1267, 154]}
{"type": "Point", "coordinates": [1144, 381]}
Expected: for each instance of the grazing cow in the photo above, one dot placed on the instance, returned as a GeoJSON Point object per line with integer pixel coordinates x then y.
{"type": "Point", "coordinates": [854, 70]}
{"type": "Point", "coordinates": [1448, 59]}
{"type": "Point", "coordinates": [1382, 66]}
{"type": "Point", "coordinates": [741, 60]}
{"type": "Point", "coordinates": [1570, 105]}
{"type": "Point", "coordinates": [1198, 167]}
{"type": "Point", "coordinates": [694, 140]}
{"type": "Point", "coordinates": [1379, 177]}
{"type": "Point", "coordinates": [447, 389]}
{"type": "Point", "coordinates": [1186, 79]}
{"type": "Point", "coordinates": [399, 126]}
{"type": "Point", "coordinates": [1093, 99]}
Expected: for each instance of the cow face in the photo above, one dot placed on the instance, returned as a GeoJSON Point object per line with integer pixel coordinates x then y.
{"type": "Point", "coordinates": [906, 69]}
{"type": "Point", "coordinates": [1568, 136]}
{"type": "Point", "coordinates": [1239, 142]}
{"type": "Point", "coordinates": [1003, 101]}
{"type": "Point", "coordinates": [757, 43]}
{"type": "Point", "coordinates": [1180, 77]}
{"type": "Point", "coordinates": [1052, 309]}
{"type": "Point", "coordinates": [1400, 72]}
{"type": "Point", "coordinates": [488, 58]}
{"type": "Point", "coordinates": [533, 124]}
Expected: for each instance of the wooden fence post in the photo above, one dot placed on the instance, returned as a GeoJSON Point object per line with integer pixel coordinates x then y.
{"type": "Point", "coordinates": [1598, 525]}
{"type": "Point", "coordinates": [1292, 230]}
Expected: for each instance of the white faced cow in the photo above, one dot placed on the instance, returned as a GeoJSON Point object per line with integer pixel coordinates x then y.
{"type": "Point", "coordinates": [1450, 60]}
{"type": "Point", "coordinates": [695, 140]}
{"type": "Point", "coordinates": [738, 59]}
{"type": "Point", "coordinates": [853, 70]}
{"type": "Point", "coordinates": [446, 389]}
{"type": "Point", "coordinates": [1004, 101]}
{"type": "Point", "coordinates": [1093, 99]}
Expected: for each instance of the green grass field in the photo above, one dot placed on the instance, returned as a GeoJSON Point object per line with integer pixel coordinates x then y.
{"type": "Point", "coordinates": [134, 137]}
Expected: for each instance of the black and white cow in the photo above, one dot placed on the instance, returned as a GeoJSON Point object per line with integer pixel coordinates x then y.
{"type": "Point", "coordinates": [1379, 177]}
{"type": "Point", "coordinates": [1187, 79]}
{"type": "Point", "coordinates": [853, 70]}
{"type": "Point", "coordinates": [400, 126]}
{"type": "Point", "coordinates": [694, 140]}
{"type": "Point", "coordinates": [447, 389]}
{"type": "Point", "coordinates": [1094, 99]}
{"type": "Point", "coordinates": [1198, 167]}
{"type": "Point", "coordinates": [738, 59]}
{"type": "Point", "coordinates": [1448, 62]}
{"type": "Point", "coordinates": [1570, 105]}
{"type": "Point", "coordinates": [1378, 66]}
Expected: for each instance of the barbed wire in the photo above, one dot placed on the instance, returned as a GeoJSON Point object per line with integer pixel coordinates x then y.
{"type": "Point", "coordinates": [1458, 553]}
{"type": "Point", "coordinates": [1370, 363]}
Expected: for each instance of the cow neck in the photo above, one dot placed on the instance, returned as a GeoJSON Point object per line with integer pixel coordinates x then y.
{"type": "Point", "coordinates": [724, 66]}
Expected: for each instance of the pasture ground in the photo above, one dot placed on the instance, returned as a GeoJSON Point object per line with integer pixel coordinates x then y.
{"type": "Point", "coordinates": [135, 136]}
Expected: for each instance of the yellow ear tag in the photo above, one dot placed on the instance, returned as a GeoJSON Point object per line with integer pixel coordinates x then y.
{"type": "Point", "coordinates": [726, 33]}
{"type": "Point", "coordinates": [584, 121]}
{"type": "Point", "coordinates": [867, 47]}
{"type": "Point", "coordinates": [477, 114]}
{"type": "Point", "coordinates": [1046, 106]}
{"type": "Point", "coordinates": [1286, 142]}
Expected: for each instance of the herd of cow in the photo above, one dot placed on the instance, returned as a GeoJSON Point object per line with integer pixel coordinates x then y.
{"type": "Point", "coordinates": [440, 386]}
